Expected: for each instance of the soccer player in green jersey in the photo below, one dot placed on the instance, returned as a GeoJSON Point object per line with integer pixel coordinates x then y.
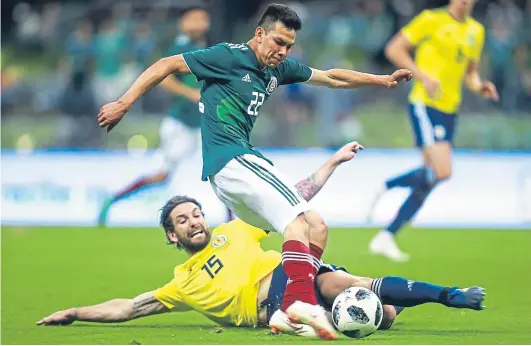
{"type": "Point", "coordinates": [180, 133]}
{"type": "Point", "coordinates": [237, 80]}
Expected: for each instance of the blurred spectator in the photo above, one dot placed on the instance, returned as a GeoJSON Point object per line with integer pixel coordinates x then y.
{"type": "Point", "coordinates": [144, 45]}
{"type": "Point", "coordinates": [523, 63]}
{"type": "Point", "coordinates": [110, 51]}
{"type": "Point", "coordinates": [333, 107]}
{"type": "Point", "coordinates": [293, 108]}
{"type": "Point", "coordinates": [27, 23]}
{"type": "Point", "coordinates": [49, 20]}
{"type": "Point", "coordinates": [377, 27]}
{"type": "Point", "coordinates": [78, 97]}
{"type": "Point", "coordinates": [504, 22]}
{"type": "Point", "coordinates": [80, 50]}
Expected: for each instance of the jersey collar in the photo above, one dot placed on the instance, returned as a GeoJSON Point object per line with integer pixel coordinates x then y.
{"type": "Point", "coordinates": [255, 59]}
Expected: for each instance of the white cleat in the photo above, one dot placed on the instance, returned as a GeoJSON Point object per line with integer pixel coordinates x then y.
{"type": "Point", "coordinates": [280, 323]}
{"type": "Point", "coordinates": [384, 244]}
{"type": "Point", "coordinates": [313, 315]}
{"type": "Point", "coordinates": [373, 202]}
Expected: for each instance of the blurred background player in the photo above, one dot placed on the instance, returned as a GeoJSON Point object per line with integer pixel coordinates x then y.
{"type": "Point", "coordinates": [180, 133]}
{"type": "Point", "coordinates": [448, 45]}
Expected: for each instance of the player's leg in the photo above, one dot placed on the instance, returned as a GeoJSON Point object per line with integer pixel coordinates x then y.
{"type": "Point", "coordinates": [318, 235]}
{"type": "Point", "coordinates": [276, 318]}
{"type": "Point", "coordinates": [260, 195]}
{"type": "Point", "coordinates": [437, 160]}
{"type": "Point", "coordinates": [408, 293]}
{"type": "Point", "coordinates": [331, 281]}
{"type": "Point", "coordinates": [176, 141]}
{"type": "Point", "coordinates": [397, 291]}
{"type": "Point", "coordinates": [433, 132]}
{"type": "Point", "coordinates": [311, 230]}
{"type": "Point", "coordinates": [142, 182]}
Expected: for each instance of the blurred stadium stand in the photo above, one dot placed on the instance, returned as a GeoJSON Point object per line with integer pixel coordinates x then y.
{"type": "Point", "coordinates": [61, 60]}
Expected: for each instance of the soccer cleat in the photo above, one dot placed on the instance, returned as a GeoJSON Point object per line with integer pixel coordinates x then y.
{"type": "Point", "coordinates": [373, 202]}
{"type": "Point", "coordinates": [468, 298]}
{"type": "Point", "coordinates": [102, 219]}
{"type": "Point", "coordinates": [314, 316]}
{"type": "Point", "coordinates": [280, 323]}
{"type": "Point", "coordinates": [384, 244]}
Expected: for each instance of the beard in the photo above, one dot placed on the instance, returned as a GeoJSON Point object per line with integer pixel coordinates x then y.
{"type": "Point", "coordinates": [190, 246]}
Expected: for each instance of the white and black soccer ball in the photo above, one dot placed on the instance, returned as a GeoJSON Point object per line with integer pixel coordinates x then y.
{"type": "Point", "coordinates": [357, 312]}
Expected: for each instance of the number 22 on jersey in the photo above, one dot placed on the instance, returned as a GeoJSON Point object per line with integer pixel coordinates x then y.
{"type": "Point", "coordinates": [256, 102]}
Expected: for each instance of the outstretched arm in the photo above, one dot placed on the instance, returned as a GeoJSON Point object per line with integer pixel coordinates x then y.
{"type": "Point", "coordinates": [309, 187]}
{"type": "Point", "coordinates": [116, 310]}
{"type": "Point", "coordinates": [348, 79]}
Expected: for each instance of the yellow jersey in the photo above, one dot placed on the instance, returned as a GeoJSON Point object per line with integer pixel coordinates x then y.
{"type": "Point", "coordinates": [222, 280]}
{"type": "Point", "coordinates": [444, 47]}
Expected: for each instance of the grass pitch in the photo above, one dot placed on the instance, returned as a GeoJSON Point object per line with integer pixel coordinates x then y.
{"type": "Point", "coordinates": [49, 269]}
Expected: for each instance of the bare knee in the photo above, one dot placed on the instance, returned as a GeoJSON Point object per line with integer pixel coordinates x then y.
{"type": "Point", "coordinates": [439, 157]}
{"type": "Point", "coordinates": [389, 315]}
{"type": "Point", "coordinates": [319, 233]}
{"type": "Point", "coordinates": [298, 230]}
{"type": "Point", "coordinates": [318, 228]}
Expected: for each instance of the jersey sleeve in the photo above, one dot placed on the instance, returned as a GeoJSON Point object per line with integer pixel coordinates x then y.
{"type": "Point", "coordinates": [171, 297]}
{"type": "Point", "coordinates": [292, 72]}
{"type": "Point", "coordinates": [480, 41]}
{"type": "Point", "coordinates": [419, 28]}
{"type": "Point", "coordinates": [177, 49]}
{"type": "Point", "coordinates": [211, 63]}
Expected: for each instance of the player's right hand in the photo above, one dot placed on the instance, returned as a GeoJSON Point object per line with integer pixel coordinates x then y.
{"type": "Point", "coordinates": [61, 318]}
{"type": "Point", "coordinates": [432, 86]}
{"type": "Point", "coordinates": [347, 152]}
{"type": "Point", "coordinates": [111, 114]}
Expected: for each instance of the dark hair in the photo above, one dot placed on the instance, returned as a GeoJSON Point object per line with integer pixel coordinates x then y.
{"type": "Point", "coordinates": [280, 13]}
{"type": "Point", "coordinates": [193, 8]}
{"type": "Point", "coordinates": [165, 220]}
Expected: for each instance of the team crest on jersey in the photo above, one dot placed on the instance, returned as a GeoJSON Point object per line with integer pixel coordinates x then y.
{"type": "Point", "coordinates": [219, 240]}
{"type": "Point", "coordinates": [273, 83]}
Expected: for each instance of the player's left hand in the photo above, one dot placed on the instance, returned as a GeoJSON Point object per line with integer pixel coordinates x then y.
{"type": "Point", "coordinates": [488, 91]}
{"type": "Point", "coordinates": [111, 113]}
{"type": "Point", "coordinates": [62, 318]}
{"type": "Point", "coordinates": [398, 76]}
{"type": "Point", "coordinates": [347, 152]}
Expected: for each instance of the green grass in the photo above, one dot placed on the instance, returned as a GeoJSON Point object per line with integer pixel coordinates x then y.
{"type": "Point", "coordinates": [48, 269]}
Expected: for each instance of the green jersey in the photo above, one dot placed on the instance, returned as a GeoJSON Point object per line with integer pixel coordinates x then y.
{"type": "Point", "coordinates": [183, 109]}
{"type": "Point", "coordinates": [234, 89]}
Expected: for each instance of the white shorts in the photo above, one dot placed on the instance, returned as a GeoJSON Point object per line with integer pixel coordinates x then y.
{"type": "Point", "coordinates": [258, 193]}
{"type": "Point", "coordinates": [177, 141]}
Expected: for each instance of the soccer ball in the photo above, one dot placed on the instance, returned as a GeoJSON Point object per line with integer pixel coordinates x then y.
{"type": "Point", "coordinates": [357, 312]}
